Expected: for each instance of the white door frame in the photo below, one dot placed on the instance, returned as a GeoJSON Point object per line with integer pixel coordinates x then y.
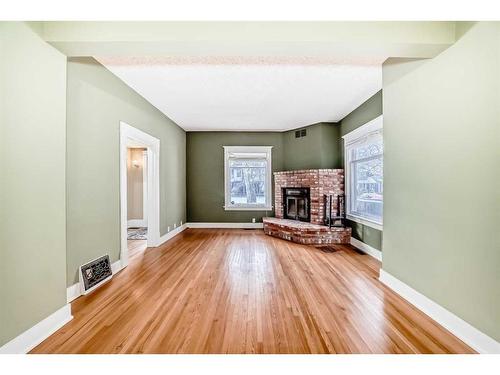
{"type": "Point", "coordinates": [128, 136]}
{"type": "Point", "coordinates": [145, 187]}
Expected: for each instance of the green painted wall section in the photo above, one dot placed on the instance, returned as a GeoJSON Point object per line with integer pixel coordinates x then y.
{"type": "Point", "coordinates": [319, 149]}
{"type": "Point", "coordinates": [441, 201]}
{"type": "Point", "coordinates": [205, 173]}
{"type": "Point", "coordinates": [205, 165]}
{"type": "Point", "coordinates": [97, 102]}
{"type": "Point", "coordinates": [366, 112]}
{"type": "Point", "coordinates": [32, 188]}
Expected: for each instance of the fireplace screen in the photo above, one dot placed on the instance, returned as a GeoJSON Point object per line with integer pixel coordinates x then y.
{"type": "Point", "coordinates": [296, 204]}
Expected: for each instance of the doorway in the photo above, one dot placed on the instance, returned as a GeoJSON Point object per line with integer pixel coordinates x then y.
{"type": "Point", "coordinates": [139, 192]}
{"type": "Point", "coordinates": [137, 197]}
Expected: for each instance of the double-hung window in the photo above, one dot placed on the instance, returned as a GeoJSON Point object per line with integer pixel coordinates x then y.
{"type": "Point", "coordinates": [363, 157]}
{"type": "Point", "coordinates": [247, 175]}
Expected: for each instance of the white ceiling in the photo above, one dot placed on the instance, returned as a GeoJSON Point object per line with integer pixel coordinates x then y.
{"type": "Point", "coordinates": [256, 94]}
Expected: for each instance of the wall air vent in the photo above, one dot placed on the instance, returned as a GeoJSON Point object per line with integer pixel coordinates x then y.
{"type": "Point", "coordinates": [94, 274]}
{"type": "Point", "coordinates": [300, 133]}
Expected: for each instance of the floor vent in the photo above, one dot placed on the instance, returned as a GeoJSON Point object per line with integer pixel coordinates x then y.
{"type": "Point", "coordinates": [327, 248]}
{"type": "Point", "coordinates": [94, 274]}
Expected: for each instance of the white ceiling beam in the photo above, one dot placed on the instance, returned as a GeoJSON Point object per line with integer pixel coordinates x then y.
{"type": "Point", "coordinates": [351, 41]}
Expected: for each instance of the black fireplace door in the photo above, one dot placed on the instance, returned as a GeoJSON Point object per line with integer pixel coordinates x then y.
{"type": "Point", "coordinates": [296, 204]}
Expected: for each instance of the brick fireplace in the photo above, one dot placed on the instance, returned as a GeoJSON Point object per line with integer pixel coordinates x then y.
{"type": "Point", "coordinates": [317, 183]}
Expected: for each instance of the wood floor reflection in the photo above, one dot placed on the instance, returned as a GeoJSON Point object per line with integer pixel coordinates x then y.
{"type": "Point", "coordinates": [136, 247]}
{"type": "Point", "coordinates": [240, 291]}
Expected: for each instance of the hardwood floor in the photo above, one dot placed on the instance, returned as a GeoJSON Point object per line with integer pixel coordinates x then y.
{"type": "Point", "coordinates": [239, 291]}
{"type": "Point", "coordinates": [136, 247]}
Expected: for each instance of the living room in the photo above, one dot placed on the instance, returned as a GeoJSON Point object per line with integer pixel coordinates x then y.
{"type": "Point", "coordinates": [306, 187]}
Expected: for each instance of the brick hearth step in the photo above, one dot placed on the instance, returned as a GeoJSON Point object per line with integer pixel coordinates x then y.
{"type": "Point", "coordinates": [305, 233]}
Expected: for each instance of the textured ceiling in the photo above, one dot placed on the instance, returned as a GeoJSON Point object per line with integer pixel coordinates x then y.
{"type": "Point", "coordinates": [261, 94]}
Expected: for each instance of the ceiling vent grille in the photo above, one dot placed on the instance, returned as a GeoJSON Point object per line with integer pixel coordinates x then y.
{"type": "Point", "coordinates": [300, 133]}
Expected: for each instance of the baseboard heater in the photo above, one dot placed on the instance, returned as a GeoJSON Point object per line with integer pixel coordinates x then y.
{"type": "Point", "coordinates": [95, 273]}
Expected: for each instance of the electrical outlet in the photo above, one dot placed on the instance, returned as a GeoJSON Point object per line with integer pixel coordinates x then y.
{"type": "Point", "coordinates": [168, 229]}
{"type": "Point", "coordinates": [175, 225]}
{"type": "Point", "coordinates": [181, 223]}
{"type": "Point", "coordinates": [253, 220]}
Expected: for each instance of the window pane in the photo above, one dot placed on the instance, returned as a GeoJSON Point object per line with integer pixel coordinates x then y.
{"type": "Point", "coordinates": [367, 183]}
{"type": "Point", "coordinates": [247, 179]}
{"type": "Point", "coordinates": [373, 147]}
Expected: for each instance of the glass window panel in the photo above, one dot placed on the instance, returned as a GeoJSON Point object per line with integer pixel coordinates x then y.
{"type": "Point", "coordinates": [364, 172]}
{"type": "Point", "coordinates": [367, 188]}
{"type": "Point", "coordinates": [372, 147]}
{"type": "Point", "coordinates": [248, 180]}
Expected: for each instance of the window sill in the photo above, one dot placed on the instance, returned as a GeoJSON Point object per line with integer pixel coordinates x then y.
{"type": "Point", "coordinates": [244, 208]}
{"type": "Point", "coordinates": [366, 222]}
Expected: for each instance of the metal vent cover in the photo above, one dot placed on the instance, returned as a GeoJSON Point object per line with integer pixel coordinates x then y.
{"type": "Point", "coordinates": [300, 133]}
{"type": "Point", "coordinates": [95, 273]}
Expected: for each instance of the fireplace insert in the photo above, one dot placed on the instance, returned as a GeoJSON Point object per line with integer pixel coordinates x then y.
{"type": "Point", "coordinates": [296, 204]}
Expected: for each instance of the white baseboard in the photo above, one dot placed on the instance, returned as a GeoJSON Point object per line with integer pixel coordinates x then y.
{"type": "Point", "coordinates": [227, 225]}
{"type": "Point", "coordinates": [172, 233]}
{"type": "Point", "coordinates": [178, 230]}
{"type": "Point", "coordinates": [39, 332]}
{"type": "Point", "coordinates": [460, 328]}
{"type": "Point", "coordinates": [116, 267]}
{"type": "Point", "coordinates": [367, 249]}
{"type": "Point", "coordinates": [137, 223]}
{"type": "Point", "coordinates": [74, 291]}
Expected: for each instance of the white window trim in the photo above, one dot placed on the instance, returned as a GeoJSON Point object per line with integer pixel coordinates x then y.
{"type": "Point", "coordinates": [365, 221]}
{"type": "Point", "coordinates": [372, 126]}
{"type": "Point", "coordinates": [248, 149]}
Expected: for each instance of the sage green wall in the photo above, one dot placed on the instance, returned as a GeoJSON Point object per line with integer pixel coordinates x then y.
{"type": "Point", "coordinates": [205, 173]}
{"type": "Point", "coordinates": [205, 165]}
{"type": "Point", "coordinates": [319, 149]}
{"type": "Point", "coordinates": [441, 201]}
{"type": "Point", "coordinates": [32, 188]}
{"type": "Point", "coordinates": [97, 102]}
{"type": "Point", "coordinates": [366, 112]}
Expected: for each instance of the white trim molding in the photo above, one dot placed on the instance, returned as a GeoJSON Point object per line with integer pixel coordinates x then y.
{"type": "Point", "coordinates": [172, 234]}
{"type": "Point", "coordinates": [227, 225]}
{"type": "Point", "coordinates": [145, 188]}
{"type": "Point", "coordinates": [371, 126]}
{"type": "Point", "coordinates": [39, 332]}
{"type": "Point", "coordinates": [240, 208]}
{"type": "Point", "coordinates": [367, 249]}
{"type": "Point", "coordinates": [116, 267]}
{"type": "Point", "coordinates": [364, 221]}
{"type": "Point", "coordinates": [74, 291]}
{"type": "Point", "coordinates": [248, 152]}
{"type": "Point", "coordinates": [130, 136]}
{"type": "Point", "coordinates": [457, 326]}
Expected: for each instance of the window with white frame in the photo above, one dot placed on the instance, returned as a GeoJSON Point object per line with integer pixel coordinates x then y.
{"type": "Point", "coordinates": [364, 166]}
{"type": "Point", "coordinates": [247, 174]}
